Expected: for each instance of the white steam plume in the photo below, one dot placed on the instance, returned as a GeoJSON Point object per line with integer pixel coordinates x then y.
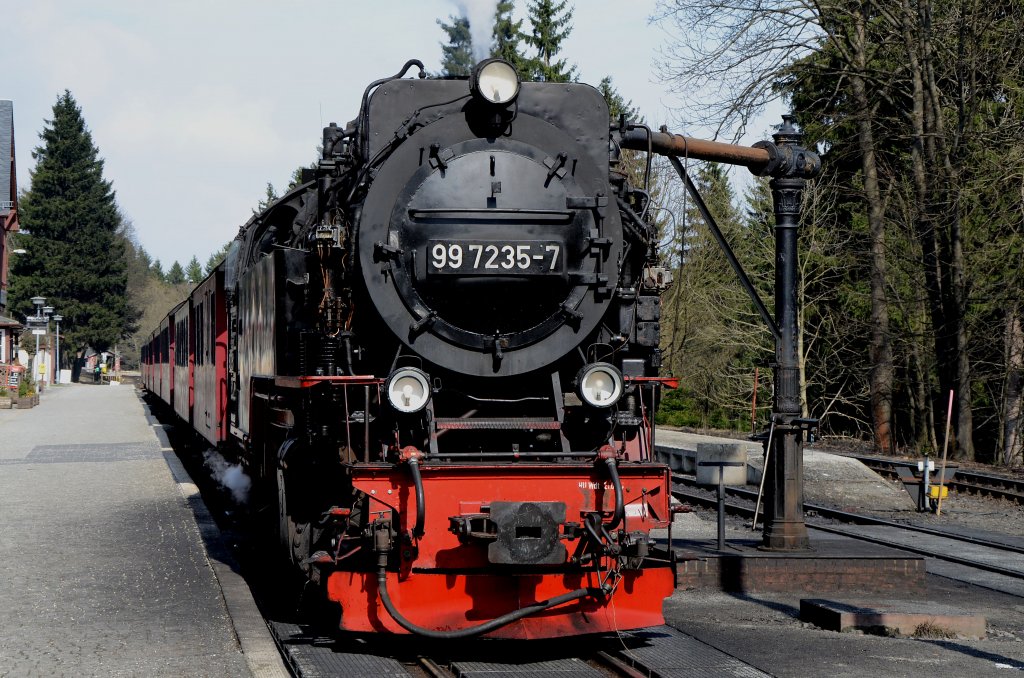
{"type": "Point", "coordinates": [230, 476]}
{"type": "Point", "coordinates": [480, 14]}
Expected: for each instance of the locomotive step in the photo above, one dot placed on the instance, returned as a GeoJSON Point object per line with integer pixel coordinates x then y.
{"type": "Point", "coordinates": [526, 423]}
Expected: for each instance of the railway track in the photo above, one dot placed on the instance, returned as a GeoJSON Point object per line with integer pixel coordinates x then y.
{"type": "Point", "coordinates": [656, 652]}
{"type": "Point", "coordinates": [977, 551]}
{"type": "Point", "coordinates": [966, 481]}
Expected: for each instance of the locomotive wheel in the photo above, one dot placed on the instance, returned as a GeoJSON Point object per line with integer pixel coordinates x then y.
{"type": "Point", "coordinates": [295, 533]}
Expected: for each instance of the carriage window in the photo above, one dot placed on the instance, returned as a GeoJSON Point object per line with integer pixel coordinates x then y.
{"type": "Point", "coordinates": [181, 342]}
{"type": "Point", "coordinates": [213, 326]}
{"type": "Point", "coordinates": [201, 333]}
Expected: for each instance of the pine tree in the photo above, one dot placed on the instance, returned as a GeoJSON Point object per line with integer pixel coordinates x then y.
{"type": "Point", "coordinates": [617, 105]}
{"type": "Point", "coordinates": [269, 197]}
{"type": "Point", "coordinates": [551, 26]}
{"type": "Point", "coordinates": [216, 258]}
{"type": "Point", "coordinates": [158, 271]}
{"type": "Point", "coordinates": [457, 55]}
{"type": "Point", "coordinates": [74, 257]}
{"type": "Point", "coordinates": [194, 271]}
{"type": "Point", "coordinates": [508, 38]}
{"type": "Point", "coordinates": [176, 274]}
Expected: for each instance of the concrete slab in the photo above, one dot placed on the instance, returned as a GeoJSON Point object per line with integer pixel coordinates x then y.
{"type": "Point", "coordinates": [828, 478]}
{"type": "Point", "coordinates": [718, 460]}
{"type": "Point", "coordinates": [918, 619]}
{"type": "Point", "coordinates": [678, 449]}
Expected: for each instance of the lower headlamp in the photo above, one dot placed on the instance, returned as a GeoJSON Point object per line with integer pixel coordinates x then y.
{"type": "Point", "coordinates": [408, 389]}
{"type": "Point", "coordinates": [599, 384]}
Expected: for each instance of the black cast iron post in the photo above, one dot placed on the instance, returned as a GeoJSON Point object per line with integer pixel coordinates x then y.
{"type": "Point", "coordinates": [789, 165]}
{"type": "Point", "coordinates": [784, 527]}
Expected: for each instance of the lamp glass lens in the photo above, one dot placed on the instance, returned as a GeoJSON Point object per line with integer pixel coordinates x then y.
{"type": "Point", "coordinates": [408, 391]}
{"type": "Point", "coordinates": [498, 82]}
{"type": "Point", "coordinates": [600, 387]}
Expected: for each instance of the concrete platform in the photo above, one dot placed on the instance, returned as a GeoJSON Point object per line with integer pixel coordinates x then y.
{"type": "Point", "coordinates": [109, 562]}
{"type": "Point", "coordinates": [913, 619]}
{"type": "Point", "coordinates": [828, 478]}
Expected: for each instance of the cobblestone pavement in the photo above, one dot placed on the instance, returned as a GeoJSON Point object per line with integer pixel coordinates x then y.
{"type": "Point", "coordinates": [102, 568]}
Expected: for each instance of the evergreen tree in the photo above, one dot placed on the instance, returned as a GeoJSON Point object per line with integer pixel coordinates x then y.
{"type": "Point", "coordinates": [457, 55]}
{"type": "Point", "coordinates": [216, 258]}
{"type": "Point", "coordinates": [551, 26]}
{"type": "Point", "coordinates": [138, 263]}
{"type": "Point", "coordinates": [617, 105]}
{"type": "Point", "coordinates": [711, 336]}
{"type": "Point", "coordinates": [269, 197]}
{"type": "Point", "coordinates": [176, 275]}
{"type": "Point", "coordinates": [194, 271]}
{"type": "Point", "coordinates": [158, 271]}
{"type": "Point", "coordinates": [74, 257]}
{"type": "Point", "coordinates": [508, 38]}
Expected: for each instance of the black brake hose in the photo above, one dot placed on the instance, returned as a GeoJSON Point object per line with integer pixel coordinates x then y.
{"type": "Point", "coordinates": [497, 623]}
{"type": "Point", "coordinates": [613, 471]}
{"type": "Point", "coordinates": [421, 504]}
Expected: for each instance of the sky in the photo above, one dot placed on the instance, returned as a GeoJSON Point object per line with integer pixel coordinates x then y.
{"type": "Point", "coordinates": [196, 105]}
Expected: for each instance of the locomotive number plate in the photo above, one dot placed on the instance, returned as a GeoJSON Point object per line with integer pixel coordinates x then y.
{"type": "Point", "coordinates": [488, 257]}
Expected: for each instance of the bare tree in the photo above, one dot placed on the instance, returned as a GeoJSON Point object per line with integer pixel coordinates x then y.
{"type": "Point", "coordinates": [728, 75]}
{"type": "Point", "coordinates": [748, 47]}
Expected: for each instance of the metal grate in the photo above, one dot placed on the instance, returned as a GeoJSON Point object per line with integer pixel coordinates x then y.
{"type": "Point", "coordinates": [556, 667]}
{"type": "Point", "coordinates": [312, 656]}
{"type": "Point", "coordinates": [514, 423]}
{"type": "Point", "coordinates": [667, 653]}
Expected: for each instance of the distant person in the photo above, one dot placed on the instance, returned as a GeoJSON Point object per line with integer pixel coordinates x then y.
{"type": "Point", "coordinates": [96, 374]}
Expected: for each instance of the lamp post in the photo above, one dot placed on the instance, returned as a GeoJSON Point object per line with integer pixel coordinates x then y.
{"type": "Point", "coordinates": [57, 318]}
{"type": "Point", "coordinates": [47, 313]}
{"type": "Point", "coordinates": [38, 303]}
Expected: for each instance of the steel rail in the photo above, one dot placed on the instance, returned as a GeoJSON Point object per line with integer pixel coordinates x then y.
{"type": "Point", "coordinates": [978, 565]}
{"type": "Point", "coordinates": [861, 519]}
{"type": "Point", "coordinates": [431, 666]}
{"type": "Point", "coordinates": [974, 564]}
{"type": "Point", "coordinates": [993, 485]}
{"type": "Point", "coordinates": [868, 520]}
{"type": "Point", "coordinates": [987, 489]}
{"type": "Point", "coordinates": [620, 666]}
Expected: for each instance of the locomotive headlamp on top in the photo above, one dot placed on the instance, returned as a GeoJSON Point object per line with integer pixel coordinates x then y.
{"type": "Point", "coordinates": [408, 389]}
{"type": "Point", "coordinates": [599, 384]}
{"type": "Point", "coordinates": [495, 81]}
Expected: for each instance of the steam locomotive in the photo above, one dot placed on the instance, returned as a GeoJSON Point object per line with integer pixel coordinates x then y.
{"type": "Point", "coordinates": [438, 359]}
